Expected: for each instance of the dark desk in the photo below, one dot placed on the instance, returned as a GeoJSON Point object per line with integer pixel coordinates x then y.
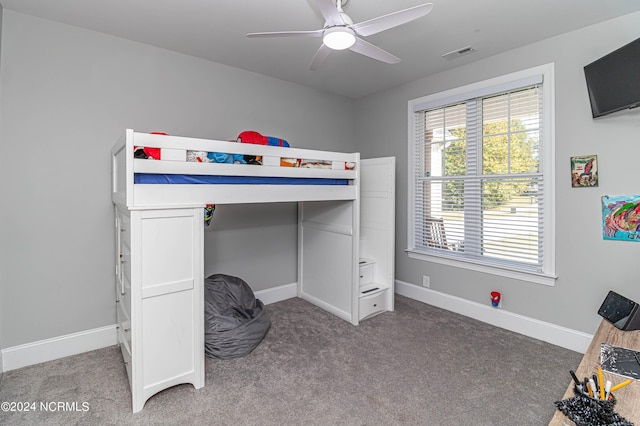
{"type": "Point", "coordinates": [628, 397]}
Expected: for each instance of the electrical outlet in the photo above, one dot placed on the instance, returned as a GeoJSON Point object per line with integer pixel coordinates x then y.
{"type": "Point", "coordinates": [426, 281]}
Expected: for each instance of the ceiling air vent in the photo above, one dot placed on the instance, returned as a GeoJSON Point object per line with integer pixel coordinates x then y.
{"type": "Point", "coordinates": [459, 52]}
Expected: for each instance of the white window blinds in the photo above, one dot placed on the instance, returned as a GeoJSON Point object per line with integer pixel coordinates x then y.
{"type": "Point", "coordinates": [478, 176]}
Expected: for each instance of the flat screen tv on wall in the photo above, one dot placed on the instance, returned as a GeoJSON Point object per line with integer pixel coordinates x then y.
{"type": "Point", "coordinates": [613, 81]}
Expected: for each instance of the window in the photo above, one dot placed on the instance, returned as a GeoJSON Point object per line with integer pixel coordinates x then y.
{"type": "Point", "coordinates": [481, 176]}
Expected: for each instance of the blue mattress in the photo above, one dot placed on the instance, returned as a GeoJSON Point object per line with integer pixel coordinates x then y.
{"type": "Point", "coordinates": [152, 178]}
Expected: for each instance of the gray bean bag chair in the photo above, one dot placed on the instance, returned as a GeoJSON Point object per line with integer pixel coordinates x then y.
{"type": "Point", "coordinates": [235, 321]}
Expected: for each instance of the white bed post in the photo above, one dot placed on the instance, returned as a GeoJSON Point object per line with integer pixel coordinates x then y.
{"type": "Point", "coordinates": [355, 258]}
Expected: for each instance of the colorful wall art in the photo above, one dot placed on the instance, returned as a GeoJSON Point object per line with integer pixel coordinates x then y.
{"type": "Point", "coordinates": [584, 171]}
{"type": "Point", "coordinates": [621, 217]}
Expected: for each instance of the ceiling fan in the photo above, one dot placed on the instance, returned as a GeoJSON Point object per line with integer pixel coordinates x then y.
{"type": "Point", "coordinates": [341, 33]}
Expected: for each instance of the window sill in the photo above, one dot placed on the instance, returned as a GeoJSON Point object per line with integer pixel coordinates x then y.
{"type": "Point", "coordinates": [537, 278]}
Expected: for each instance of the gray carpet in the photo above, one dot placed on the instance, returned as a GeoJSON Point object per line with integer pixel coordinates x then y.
{"type": "Point", "coordinates": [419, 365]}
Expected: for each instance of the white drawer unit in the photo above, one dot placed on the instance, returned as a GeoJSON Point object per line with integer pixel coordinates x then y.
{"type": "Point", "coordinates": [372, 303]}
{"type": "Point", "coordinates": [124, 326]}
{"type": "Point", "coordinates": [159, 298]}
{"type": "Point", "coordinates": [366, 267]}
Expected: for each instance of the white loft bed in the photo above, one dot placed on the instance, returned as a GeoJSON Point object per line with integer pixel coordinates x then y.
{"type": "Point", "coordinates": [159, 247]}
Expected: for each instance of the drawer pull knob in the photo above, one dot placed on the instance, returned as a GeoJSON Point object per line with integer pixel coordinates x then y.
{"type": "Point", "coordinates": [375, 305]}
{"type": "Point", "coordinates": [126, 330]}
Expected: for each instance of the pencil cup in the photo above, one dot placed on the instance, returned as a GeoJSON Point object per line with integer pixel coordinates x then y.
{"type": "Point", "coordinates": [584, 409]}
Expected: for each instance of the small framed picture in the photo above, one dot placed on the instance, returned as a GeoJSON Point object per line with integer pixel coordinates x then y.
{"type": "Point", "coordinates": [584, 171]}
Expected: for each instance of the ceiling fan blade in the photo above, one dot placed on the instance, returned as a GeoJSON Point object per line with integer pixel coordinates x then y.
{"type": "Point", "coordinates": [330, 12]}
{"type": "Point", "coordinates": [314, 33]}
{"type": "Point", "coordinates": [319, 57]}
{"type": "Point", "coordinates": [382, 23]}
{"type": "Point", "coordinates": [367, 49]}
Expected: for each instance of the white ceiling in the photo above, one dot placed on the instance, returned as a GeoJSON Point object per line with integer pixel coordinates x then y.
{"type": "Point", "coordinates": [215, 30]}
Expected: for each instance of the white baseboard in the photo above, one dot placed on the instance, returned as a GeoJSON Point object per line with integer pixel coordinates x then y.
{"type": "Point", "coordinates": [541, 330]}
{"type": "Point", "coordinates": [277, 294]}
{"type": "Point", "coordinates": [57, 347]}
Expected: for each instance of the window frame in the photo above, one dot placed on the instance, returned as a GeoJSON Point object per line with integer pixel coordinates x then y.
{"type": "Point", "coordinates": [475, 90]}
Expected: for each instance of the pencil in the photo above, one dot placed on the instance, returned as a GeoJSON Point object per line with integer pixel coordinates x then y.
{"type": "Point", "coordinates": [592, 388]}
{"type": "Point", "coordinates": [620, 385]}
{"type": "Point", "coordinates": [601, 381]}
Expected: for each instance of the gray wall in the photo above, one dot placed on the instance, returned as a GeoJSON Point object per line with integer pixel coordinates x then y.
{"type": "Point", "coordinates": [67, 95]}
{"type": "Point", "coordinates": [587, 266]}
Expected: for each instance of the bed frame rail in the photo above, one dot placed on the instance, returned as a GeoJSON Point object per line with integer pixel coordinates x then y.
{"type": "Point", "coordinates": [125, 192]}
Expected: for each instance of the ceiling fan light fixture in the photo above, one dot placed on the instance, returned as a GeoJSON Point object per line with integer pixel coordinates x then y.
{"type": "Point", "coordinates": [339, 38]}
